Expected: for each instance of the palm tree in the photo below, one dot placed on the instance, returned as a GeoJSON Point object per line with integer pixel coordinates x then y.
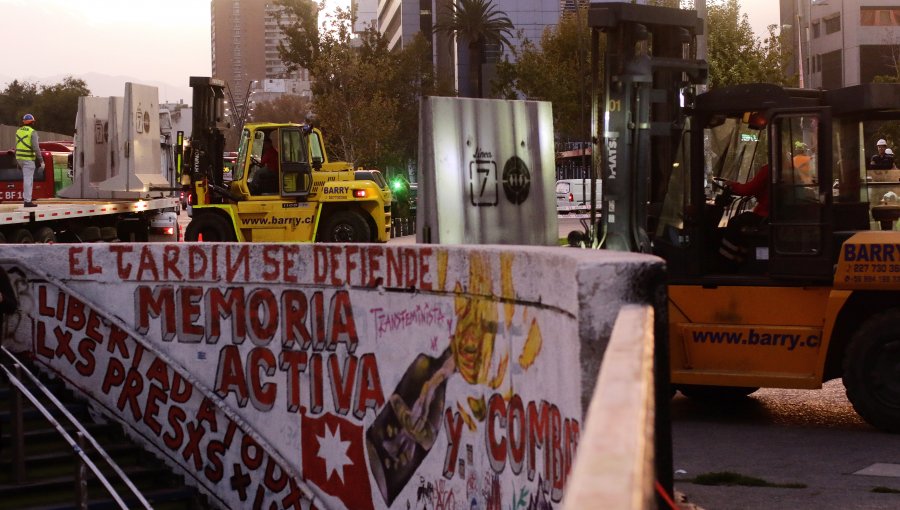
{"type": "Point", "coordinates": [478, 23]}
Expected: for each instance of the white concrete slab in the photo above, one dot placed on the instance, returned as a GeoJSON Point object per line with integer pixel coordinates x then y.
{"type": "Point", "coordinates": [880, 469]}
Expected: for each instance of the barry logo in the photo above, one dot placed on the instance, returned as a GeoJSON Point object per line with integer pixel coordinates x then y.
{"type": "Point", "coordinates": [516, 180]}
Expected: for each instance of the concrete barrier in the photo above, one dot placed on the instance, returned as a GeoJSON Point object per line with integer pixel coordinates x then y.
{"type": "Point", "coordinates": [615, 460]}
{"type": "Point", "coordinates": [358, 376]}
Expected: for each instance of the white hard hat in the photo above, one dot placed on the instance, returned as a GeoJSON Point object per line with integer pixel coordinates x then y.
{"type": "Point", "coordinates": [880, 142]}
{"type": "Point", "coordinates": [889, 152]}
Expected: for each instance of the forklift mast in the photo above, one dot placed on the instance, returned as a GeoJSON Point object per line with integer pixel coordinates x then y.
{"type": "Point", "coordinates": [207, 156]}
{"type": "Point", "coordinates": [637, 112]}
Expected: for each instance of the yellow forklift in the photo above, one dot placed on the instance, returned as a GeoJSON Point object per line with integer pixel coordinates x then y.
{"type": "Point", "coordinates": [806, 294]}
{"type": "Point", "coordinates": [283, 186]}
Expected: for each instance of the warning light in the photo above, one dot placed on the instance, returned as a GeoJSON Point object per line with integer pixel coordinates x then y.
{"type": "Point", "coordinates": [169, 231]}
{"type": "Point", "coordinates": [359, 193]}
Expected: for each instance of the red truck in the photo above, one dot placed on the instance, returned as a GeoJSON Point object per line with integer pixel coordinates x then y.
{"type": "Point", "coordinates": [52, 176]}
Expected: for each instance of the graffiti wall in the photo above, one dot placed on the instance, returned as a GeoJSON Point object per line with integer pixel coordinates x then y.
{"type": "Point", "coordinates": [286, 376]}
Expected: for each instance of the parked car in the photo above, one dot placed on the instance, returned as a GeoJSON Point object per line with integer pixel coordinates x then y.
{"type": "Point", "coordinates": [573, 195]}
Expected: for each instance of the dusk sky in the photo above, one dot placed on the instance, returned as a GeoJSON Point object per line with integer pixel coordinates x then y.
{"type": "Point", "coordinates": [161, 42]}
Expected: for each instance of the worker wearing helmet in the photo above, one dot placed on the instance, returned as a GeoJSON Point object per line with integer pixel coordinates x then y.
{"type": "Point", "coordinates": [28, 156]}
{"type": "Point", "coordinates": [881, 161]}
{"type": "Point", "coordinates": [890, 155]}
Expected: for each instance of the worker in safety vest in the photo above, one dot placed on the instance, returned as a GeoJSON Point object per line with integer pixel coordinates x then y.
{"type": "Point", "coordinates": [28, 156]}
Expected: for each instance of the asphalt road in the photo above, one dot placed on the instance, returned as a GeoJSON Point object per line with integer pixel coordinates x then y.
{"type": "Point", "coordinates": [810, 437]}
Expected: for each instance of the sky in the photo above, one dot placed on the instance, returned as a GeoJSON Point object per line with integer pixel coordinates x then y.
{"type": "Point", "coordinates": [156, 42]}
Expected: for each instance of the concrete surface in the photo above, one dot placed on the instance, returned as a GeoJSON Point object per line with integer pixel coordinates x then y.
{"type": "Point", "coordinates": [810, 437]}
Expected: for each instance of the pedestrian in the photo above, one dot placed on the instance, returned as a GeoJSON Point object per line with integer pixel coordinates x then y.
{"type": "Point", "coordinates": [881, 161]}
{"type": "Point", "coordinates": [28, 156]}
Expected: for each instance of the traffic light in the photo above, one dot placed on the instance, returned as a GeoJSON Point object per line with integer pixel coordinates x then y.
{"type": "Point", "coordinates": [400, 187]}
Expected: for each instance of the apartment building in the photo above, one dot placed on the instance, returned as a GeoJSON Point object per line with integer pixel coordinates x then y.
{"type": "Point", "coordinates": [245, 39]}
{"type": "Point", "coordinates": [842, 43]}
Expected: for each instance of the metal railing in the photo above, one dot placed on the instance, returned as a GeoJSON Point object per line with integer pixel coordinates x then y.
{"type": "Point", "coordinates": [76, 443]}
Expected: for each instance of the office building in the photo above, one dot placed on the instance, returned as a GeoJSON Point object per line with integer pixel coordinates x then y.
{"type": "Point", "coordinates": [842, 43]}
{"type": "Point", "coordinates": [366, 14]}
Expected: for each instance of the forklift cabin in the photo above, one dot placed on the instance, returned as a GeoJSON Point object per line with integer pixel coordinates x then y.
{"type": "Point", "coordinates": [807, 220]}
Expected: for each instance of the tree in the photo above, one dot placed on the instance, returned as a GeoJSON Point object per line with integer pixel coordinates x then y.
{"type": "Point", "coordinates": [58, 104]}
{"type": "Point", "coordinates": [365, 97]}
{"type": "Point", "coordinates": [54, 106]}
{"type": "Point", "coordinates": [558, 71]}
{"type": "Point", "coordinates": [736, 55]}
{"type": "Point", "coordinates": [17, 100]}
{"type": "Point", "coordinates": [478, 23]}
{"type": "Point", "coordinates": [285, 108]}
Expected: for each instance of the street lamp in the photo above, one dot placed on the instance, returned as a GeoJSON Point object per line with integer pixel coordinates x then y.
{"type": "Point", "coordinates": [800, 45]}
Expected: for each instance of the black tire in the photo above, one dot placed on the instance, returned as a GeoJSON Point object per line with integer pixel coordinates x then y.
{"type": "Point", "coordinates": [344, 227]}
{"type": "Point", "coordinates": [44, 235]}
{"type": "Point", "coordinates": [109, 234]}
{"type": "Point", "coordinates": [209, 228]}
{"type": "Point", "coordinates": [872, 371]}
{"type": "Point", "coordinates": [132, 230]}
{"type": "Point", "coordinates": [715, 393]}
{"type": "Point", "coordinates": [21, 236]}
{"type": "Point", "coordinates": [89, 234]}
{"type": "Point", "coordinates": [575, 238]}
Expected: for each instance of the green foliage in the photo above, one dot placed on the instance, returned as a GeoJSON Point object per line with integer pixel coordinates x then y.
{"type": "Point", "coordinates": [736, 55]}
{"type": "Point", "coordinates": [558, 71]}
{"type": "Point", "coordinates": [365, 97]}
{"type": "Point", "coordinates": [54, 106]}
{"type": "Point", "coordinates": [476, 23]}
{"type": "Point", "coordinates": [301, 30]}
{"type": "Point", "coordinates": [891, 78]}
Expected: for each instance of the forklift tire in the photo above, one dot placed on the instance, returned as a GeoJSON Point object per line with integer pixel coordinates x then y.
{"type": "Point", "coordinates": [344, 227]}
{"type": "Point", "coordinates": [22, 236]}
{"type": "Point", "coordinates": [130, 230]}
{"type": "Point", "coordinates": [872, 371]}
{"type": "Point", "coordinates": [209, 228]}
{"type": "Point", "coordinates": [44, 235]}
{"type": "Point", "coordinates": [715, 393]}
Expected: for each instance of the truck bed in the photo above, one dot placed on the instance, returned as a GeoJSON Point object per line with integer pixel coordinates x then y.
{"type": "Point", "coordinates": [59, 208]}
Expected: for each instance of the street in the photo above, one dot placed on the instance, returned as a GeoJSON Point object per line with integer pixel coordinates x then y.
{"type": "Point", "coordinates": [809, 437]}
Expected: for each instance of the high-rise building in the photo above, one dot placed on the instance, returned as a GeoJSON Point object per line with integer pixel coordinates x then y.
{"type": "Point", "coordinates": [366, 14]}
{"type": "Point", "coordinates": [401, 20]}
{"type": "Point", "coordinates": [838, 43]}
{"type": "Point", "coordinates": [245, 39]}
